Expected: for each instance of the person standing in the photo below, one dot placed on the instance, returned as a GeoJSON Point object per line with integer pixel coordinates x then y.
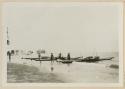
{"type": "Point", "coordinates": [9, 55]}
{"type": "Point", "coordinates": [68, 56]}
{"type": "Point", "coordinates": [60, 56]}
{"type": "Point", "coordinates": [52, 58]}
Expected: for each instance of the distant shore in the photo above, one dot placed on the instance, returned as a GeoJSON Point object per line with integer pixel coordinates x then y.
{"type": "Point", "coordinates": [21, 73]}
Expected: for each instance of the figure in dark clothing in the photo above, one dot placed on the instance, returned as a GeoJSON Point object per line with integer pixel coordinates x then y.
{"type": "Point", "coordinates": [52, 58]}
{"type": "Point", "coordinates": [12, 52]}
{"type": "Point", "coordinates": [60, 56]}
{"type": "Point", "coordinates": [9, 55]}
{"type": "Point", "coordinates": [68, 56]}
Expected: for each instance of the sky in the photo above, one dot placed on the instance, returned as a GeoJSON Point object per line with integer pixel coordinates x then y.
{"type": "Point", "coordinates": [65, 27]}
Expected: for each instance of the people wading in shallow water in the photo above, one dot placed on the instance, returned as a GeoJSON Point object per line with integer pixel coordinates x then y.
{"type": "Point", "coordinates": [9, 55]}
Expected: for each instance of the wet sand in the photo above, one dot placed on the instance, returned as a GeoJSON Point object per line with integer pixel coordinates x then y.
{"type": "Point", "coordinates": [20, 73]}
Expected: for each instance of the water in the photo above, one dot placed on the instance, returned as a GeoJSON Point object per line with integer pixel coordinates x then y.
{"type": "Point", "coordinates": [79, 72]}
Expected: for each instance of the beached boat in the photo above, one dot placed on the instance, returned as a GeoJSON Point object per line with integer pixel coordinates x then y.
{"type": "Point", "coordinates": [93, 59]}
{"type": "Point", "coordinates": [67, 61]}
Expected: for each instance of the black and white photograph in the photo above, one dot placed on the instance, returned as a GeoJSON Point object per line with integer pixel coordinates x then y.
{"type": "Point", "coordinates": [61, 43]}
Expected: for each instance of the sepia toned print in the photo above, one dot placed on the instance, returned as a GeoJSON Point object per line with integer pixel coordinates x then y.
{"type": "Point", "coordinates": [62, 43]}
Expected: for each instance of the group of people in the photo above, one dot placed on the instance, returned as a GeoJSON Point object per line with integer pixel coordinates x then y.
{"type": "Point", "coordinates": [10, 53]}
{"type": "Point", "coordinates": [52, 58]}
